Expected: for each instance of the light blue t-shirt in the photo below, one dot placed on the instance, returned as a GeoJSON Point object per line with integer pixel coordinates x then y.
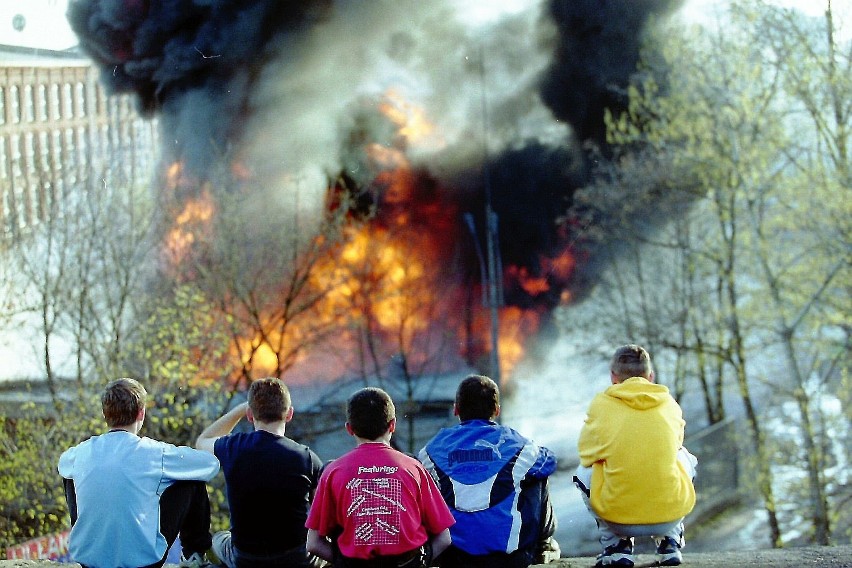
{"type": "Point", "coordinates": [118, 478]}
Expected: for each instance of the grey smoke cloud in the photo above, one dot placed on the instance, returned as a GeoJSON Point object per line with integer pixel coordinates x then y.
{"type": "Point", "coordinates": [293, 89]}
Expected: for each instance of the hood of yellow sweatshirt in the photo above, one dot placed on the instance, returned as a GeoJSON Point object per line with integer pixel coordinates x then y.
{"type": "Point", "coordinates": [639, 393]}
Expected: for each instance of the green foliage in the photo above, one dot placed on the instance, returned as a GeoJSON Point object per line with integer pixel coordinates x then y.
{"type": "Point", "coordinates": [32, 501]}
{"type": "Point", "coordinates": [183, 341]}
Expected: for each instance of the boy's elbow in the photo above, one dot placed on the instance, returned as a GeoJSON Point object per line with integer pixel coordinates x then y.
{"type": "Point", "coordinates": [319, 546]}
{"type": "Point", "coordinates": [311, 547]}
{"type": "Point", "coordinates": [440, 542]}
{"type": "Point", "coordinates": [204, 444]}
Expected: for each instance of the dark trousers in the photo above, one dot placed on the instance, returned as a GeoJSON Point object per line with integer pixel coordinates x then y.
{"type": "Point", "coordinates": [184, 511]}
{"type": "Point", "coordinates": [454, 557]}
{"type": "Point", "coordinates": [413, 559]}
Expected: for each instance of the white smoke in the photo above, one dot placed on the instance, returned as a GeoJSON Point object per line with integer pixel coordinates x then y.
{"type": "Point", "coordinates": [471, 67]}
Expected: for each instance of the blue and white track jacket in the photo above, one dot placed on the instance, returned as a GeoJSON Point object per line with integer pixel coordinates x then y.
{"type": "Point", "coordinates": [479, 466]}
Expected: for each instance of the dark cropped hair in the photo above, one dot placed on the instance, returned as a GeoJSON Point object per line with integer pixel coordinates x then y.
{"type": "Point", "coordinates": [269, 399]}
{"type": "Point", "coordinates": [477, 398]}
{"type": "Point", "coordinates": [121, 400]}
{"type": "Point", "coordinates": [369, 412]}
{"type": "Point", "coordinates": [631, 361]}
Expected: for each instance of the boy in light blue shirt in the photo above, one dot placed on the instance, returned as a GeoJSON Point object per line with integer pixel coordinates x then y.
{"type": "Point", "coordinates": [130, 496]}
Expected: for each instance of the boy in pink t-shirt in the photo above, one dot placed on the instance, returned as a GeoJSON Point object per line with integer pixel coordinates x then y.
{"type": "Point", "coordinates": [376, 506]}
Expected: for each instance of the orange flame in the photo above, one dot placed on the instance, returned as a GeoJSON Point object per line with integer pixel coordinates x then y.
{"type": "Point", "coordinates": [532, 285]}
{"type": "Point", "coordinates": [193, 218]}
{"type": "Point", "coordinates": [562, 266]}
{"type": "Point", "coordinates": [516, 326]}
{"type": "Point", "coordinates": [173, 174]}
{"type": "Point", "coordinates": [240, 171]}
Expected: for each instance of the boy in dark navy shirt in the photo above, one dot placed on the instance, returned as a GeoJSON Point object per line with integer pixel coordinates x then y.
{"type": "Point", "coordinates": [268, 476]}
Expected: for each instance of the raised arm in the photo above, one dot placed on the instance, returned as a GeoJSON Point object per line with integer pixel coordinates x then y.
{"type": "Point", "coordinates": [222, 426]}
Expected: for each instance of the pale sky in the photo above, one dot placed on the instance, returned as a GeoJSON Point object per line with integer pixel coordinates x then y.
{"type": "Point", "coordinates": [701, 11]}
{"type": "Point", "coordinates": [42, 23]}
{"type": "Point", "coordinates": [35, 23]}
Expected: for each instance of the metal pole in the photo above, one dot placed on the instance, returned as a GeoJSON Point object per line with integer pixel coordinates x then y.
{"type": "Point", "coordinates": [494, 281]}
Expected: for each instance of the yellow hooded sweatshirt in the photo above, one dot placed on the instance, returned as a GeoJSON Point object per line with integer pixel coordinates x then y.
{"type": "Point", "coordinates": [631, 437]}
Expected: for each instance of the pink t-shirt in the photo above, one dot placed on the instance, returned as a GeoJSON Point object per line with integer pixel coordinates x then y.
{"type": "Point", "coordinates": [385, 502]}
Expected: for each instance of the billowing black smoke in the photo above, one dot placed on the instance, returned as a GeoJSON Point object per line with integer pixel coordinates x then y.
{"type": "Point", "coordinates": [595, 55]}
{"type": "Point", "coordinates": [193, 62]}
{"type": "Point", "coordinates": [283, 85]}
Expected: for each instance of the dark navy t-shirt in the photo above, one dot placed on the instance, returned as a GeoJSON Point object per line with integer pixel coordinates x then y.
{"type": "Point", "coordinates": [270, 483]}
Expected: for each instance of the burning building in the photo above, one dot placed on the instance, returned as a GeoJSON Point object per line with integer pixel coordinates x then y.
{"type": "Point", "coordinates": [456, 132]}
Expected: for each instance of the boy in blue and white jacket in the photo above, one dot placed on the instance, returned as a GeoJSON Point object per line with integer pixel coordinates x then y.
{"type": "Point", "coordinates": [495, 482]}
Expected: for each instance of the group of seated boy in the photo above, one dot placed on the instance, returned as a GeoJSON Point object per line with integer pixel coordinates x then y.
{"type": "Point", "coordinates": [476, 496]}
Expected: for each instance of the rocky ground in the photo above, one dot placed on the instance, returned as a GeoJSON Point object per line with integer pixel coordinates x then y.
{"type": "Point", "coordinates": [834, 556]}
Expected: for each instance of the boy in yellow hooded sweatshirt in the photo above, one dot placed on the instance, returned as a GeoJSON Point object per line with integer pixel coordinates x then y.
{"type": "Point", "coordinates": [635, 474]}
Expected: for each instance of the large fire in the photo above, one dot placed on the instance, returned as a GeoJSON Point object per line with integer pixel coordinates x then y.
{"type": "Point", "coordinates": [269, 87]}
{"type": "Point", "coordinates": [391, 287]}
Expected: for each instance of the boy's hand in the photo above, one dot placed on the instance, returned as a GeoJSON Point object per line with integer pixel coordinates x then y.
{"type": "Point", "coordinates": [421, 560]}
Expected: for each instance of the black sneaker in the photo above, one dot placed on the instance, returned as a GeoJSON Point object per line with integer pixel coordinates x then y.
{"type": "Point", "coordinates": [619, 554]}
{"type": "Point", "coordinates": [668, 552]}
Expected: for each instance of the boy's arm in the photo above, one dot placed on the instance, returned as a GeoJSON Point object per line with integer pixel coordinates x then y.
{"type": "Point", "coordinates": [588, 446]}
{"type": "Point", "coordinates": [545, 464]}
{"type": "Point", "coordinates": [319, 545]}
{"type": "Point", "coordinates": [222, 426]}
{"type": "Point", "coordinates": [184, 462]}
{"type": "Point", "coordinates": [440, 542]}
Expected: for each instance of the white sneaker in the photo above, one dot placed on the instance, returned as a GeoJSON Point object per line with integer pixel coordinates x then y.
{"type": "Point", "coordinates": [668, 552]}
{"type": "Point", "coordinates": [197, 560]}
{"type": "Point", "coordinates": [550, 552]}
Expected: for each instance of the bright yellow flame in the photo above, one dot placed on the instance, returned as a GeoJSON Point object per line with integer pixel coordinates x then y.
{"type": "Point", "coordinates": [411, 120]}
{"type": "Point", "coordinates": [376, 276]}
{"type": "Point", "coordinates": [516, 325]}
{"type": "Point", "coordinates": [259, 355]}
{"type": "Point", "coordinates": [173, 174]}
